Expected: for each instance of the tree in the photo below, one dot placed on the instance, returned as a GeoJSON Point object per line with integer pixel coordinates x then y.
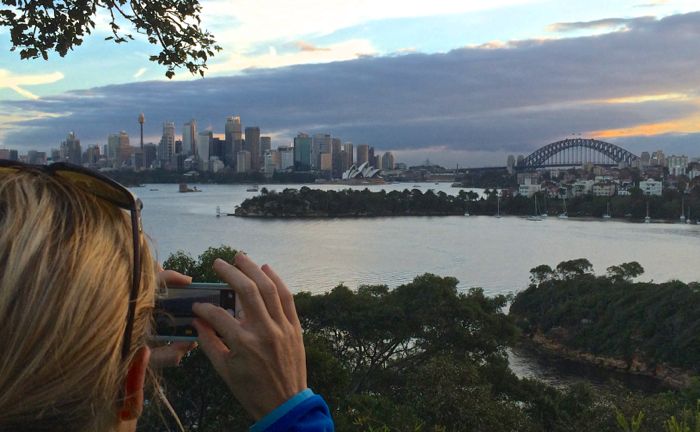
{"type": "Point", "coordinates": [39, 27]}
{"type": "Point", "coordinates": [574, 268]}
{"type": "Point", "coordinates": [541, 273]}
{"type": "Point", "coordinates": [625, 271]}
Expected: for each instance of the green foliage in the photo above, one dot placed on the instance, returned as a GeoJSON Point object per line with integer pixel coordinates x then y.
{"type": "Point", "coordinates": [612, 316]}
{"type": "Point", "coordinates": [625, 271]}
{"type": "Point", "coordinates": [634, 424]}
{"type": "Point", "coordinates": [38, 27]}
{"type": "Point", "coordinates": [201, 269]}
{"type": "Point", "coordinates": [307, 202]}
{"type": "Point", "coordinates": [420, 357]}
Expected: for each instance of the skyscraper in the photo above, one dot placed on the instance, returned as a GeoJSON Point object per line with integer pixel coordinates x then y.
{"type": "Point", "coordinates": [370, 157]}
{"type": "Point", "coordinates": [252, 145]}
{"type": "Point", "coordinates": [388, 161]}
{"type": "Point", "coordinates": [362, 154]}
{"type": "Point", "coordinates": [71, 150]}
{"type": "Point", "coordinates": [338, 158]}
{"type": "Point", "coordinates": [302, 152]}
{"type": "Point", "coordinates": [321, 143]}
{"type": "Point", "coordinates": [349, 153]}
{"type": "Point", "coordinates": [124, 150]}
{"type": "Point", "coordinates": [166, 147]}
{"type": "Point", "coordinates": [233, 140]}
{"type": "Point", "coordinates": [189, 138]}
{"type": "Point", "coordinates": [204, 148]}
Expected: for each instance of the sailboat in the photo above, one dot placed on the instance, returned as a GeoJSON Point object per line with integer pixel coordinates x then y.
{"type": "Point", "coordinates": [546, 211]}
{"type": "Point", "coordinates": [688, 220]}
{"type": "Point", "coordinates": [535, 216]}
{"type": "Point", "coordinates": [218, 211]}
{"type": "Point", "coordinates": [498, 214]}
{"type": "Point", "coordinates": [647, 218]}
{"type": "Point", "coordinates": [564, 214]}
{"type": "Point", "coordinates": [607, 212]}
{"type": "Point", "coordinates": [683, 210]}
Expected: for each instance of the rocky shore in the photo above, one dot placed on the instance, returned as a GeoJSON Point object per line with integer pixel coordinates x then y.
{"type": "Point", "coordinates": [672, 377]}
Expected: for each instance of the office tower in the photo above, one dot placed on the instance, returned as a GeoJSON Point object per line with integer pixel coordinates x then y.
{"type": "Point", "coordinates": [243, 161]}
{"type": "Point", "coordinates": [166, 147]}
{"type": "Point", "coordinates": [252, 145]}
{"type": "Point", "coordinates": [142, 119]}
{"type": "Point", "coordinates": [302, 152]}
{"type": "Point", "coordinates": [646, 159]}
{"type": "Point", "coordinates": [321, 143]}
{"type": "Point", "coordinates": [377, 161]}
{"type": "Point", "coordinates": [92, 155]}
{"type": "Point", "coordinates": [272, 162]}
{"type": "Point", "coordinates": [362, 154]}
{"type": "Point", "coordinates": [4, 153]}
{"type": "Point", "coordinates": [150, 154]}
{"type": "Point", "coordinates": [124, 149]}
{"type": "Point", "coordinates": [286, 154]}
{"type": "Point", "coordinates": [217, 148]}
{"type": "Point", "coordinates": [326, 162]}
{"type": "Point", "coordinates": [658, 158]}
{"type": "Point", "coordinates": [388, 161]}
{"type": "Point", "coordinates": [189, 138]}
{"type": "Point", "coordinates": [70, 149]}
{"type": "Point", "coordinates": [370, 157]}
{"type": "Point", "coordinates": [337, 158]}
{"type": "Point", "coordinates": [233, 140]}
{"type": "Point", "coordinates": [265, 144]}
{"type": "Point", "coordinates": [349, 153]}
{"type": "Point", "coordinates": [204, 149]}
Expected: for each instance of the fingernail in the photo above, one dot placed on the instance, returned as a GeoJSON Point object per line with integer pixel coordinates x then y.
{"type": "Point", "coordinates": [195, 306]}
{"type": "Point", "coordinates": [239, 257]}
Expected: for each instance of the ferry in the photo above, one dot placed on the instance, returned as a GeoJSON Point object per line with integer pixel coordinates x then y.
{"type": "Point", "coordinates": [253, 188]}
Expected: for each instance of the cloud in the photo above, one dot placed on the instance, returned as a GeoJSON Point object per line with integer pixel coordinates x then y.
{"type": "Point", "coordinates": [601, 24]}
{"type": "Point", "coordinates": [140, 72]}
{"type": "Point", "coordinates": [471, 103]}
{"type": "Point", "coordinates": [306, 46]}
{"type": "Point", "coordinates": [653, 3]}
{"type": "Point", "coordinates": [16, 82]}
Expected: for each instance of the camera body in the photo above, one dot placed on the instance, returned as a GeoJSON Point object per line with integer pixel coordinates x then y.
{"type": "Point", "coordinates": [173, 310]}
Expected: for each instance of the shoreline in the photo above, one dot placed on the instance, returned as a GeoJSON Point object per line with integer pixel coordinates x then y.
{"type": "Point", "coordinates": [674, 378]}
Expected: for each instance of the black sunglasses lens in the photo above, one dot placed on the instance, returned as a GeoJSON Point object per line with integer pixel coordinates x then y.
{"type": "Point", "coordinates": [99, 188]}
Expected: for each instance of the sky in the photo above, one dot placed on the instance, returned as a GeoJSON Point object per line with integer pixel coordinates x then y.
{"type": "Point", "coordinates": [457, 82]}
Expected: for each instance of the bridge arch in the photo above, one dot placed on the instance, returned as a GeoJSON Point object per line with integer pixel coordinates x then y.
{"type": "Point", "coordinates": [576, 151]}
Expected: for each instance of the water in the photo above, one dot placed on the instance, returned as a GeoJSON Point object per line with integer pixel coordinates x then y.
{"type": "Point", "coordinates": [480, 251]}
{"type": "Point", "coordinates": [495, 254]}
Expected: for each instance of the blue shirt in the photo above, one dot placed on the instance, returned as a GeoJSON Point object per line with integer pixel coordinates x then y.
{"type": "Point", "coordinates": [303, 412]}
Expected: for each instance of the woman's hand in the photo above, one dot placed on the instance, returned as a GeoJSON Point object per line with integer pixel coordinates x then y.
{"type": "Point", "coordinates": [171, 355]}
{"type": "Point", "coordinates": [261, 355]}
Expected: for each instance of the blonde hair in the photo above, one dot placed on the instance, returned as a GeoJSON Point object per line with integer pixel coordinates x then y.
{"type": "Point", "coordinates": [65, 275]}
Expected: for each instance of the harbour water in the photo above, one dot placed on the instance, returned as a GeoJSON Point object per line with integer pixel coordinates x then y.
{"type": "Point", "coordinates": [488, 252]}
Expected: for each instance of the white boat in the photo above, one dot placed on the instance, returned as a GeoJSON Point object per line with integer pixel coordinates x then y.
{"type": "Point", "coordinates": [607, 212]}
{"type": "Point", "coordinates": [535, 217]}
{"type": "Point", "coordinates": [253, 188]}
{"type": "Point", "coordinates": [218, 211]}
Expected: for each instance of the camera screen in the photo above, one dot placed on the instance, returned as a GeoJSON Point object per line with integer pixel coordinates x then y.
{"type": "Point", "coordinates": [173, 313]}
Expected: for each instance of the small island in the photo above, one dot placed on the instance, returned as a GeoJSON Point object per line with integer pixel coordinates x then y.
{"type": "Point", "coordinates": [640, 328]}
{"type": "Point", "coordinates": [350, 203]}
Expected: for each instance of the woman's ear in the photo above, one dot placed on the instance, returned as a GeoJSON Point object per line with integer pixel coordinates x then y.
{"type": "Point", "coordinates": [132, 406]}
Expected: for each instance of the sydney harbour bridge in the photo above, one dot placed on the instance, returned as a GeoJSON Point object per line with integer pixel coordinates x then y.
{"type": "Point", "coordinates": [576, 152]}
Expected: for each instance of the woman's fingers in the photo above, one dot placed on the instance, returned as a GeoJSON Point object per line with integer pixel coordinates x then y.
{"type": "Point", "coordinates": [171, 277]}
{"type": "Point", "coordinates": [210, 343]}
{"type": "Point", "coordinates": [248, 293]}
{"type": "Point", "coordinates": [284, 294]}
{"type": "Point", "coordinates": [219, 320]}
{"type": "Point", "coordinates": [170, 355]}
{"type": "Point", "coordinates": [266, 287]}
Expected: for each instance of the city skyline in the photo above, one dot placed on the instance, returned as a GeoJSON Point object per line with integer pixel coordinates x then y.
{"type": "Point", "coordinates": [623, 74]}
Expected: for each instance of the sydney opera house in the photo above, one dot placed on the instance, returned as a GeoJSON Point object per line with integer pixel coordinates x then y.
{"type": "Point", "coordinates": [362, 172]}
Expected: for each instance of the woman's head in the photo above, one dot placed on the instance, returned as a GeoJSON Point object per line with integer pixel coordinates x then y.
{"type": "Point", "coordinates": [65, 274]}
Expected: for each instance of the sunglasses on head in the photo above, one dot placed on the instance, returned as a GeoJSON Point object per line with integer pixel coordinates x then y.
{"type": "Point", "coordinates": [108, 190]}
